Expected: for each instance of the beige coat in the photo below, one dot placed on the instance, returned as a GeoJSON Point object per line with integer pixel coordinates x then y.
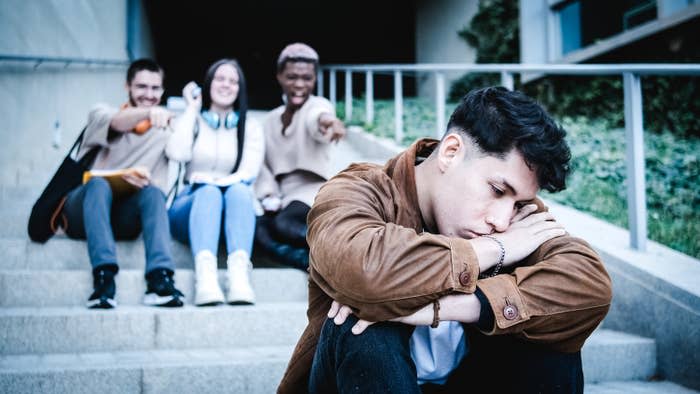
{"type": "Point", "coordinates": [368, 252]}
{"type": "Point", "coordinates": [301, 149]}
{"type": "Point", "coordinates": [123, 150]}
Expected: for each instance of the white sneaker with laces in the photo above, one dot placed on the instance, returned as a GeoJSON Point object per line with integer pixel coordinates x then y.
{"type": "Point", "coordinates": [239, 268]}
{"type": "Point", "coordinates": [206, 280]}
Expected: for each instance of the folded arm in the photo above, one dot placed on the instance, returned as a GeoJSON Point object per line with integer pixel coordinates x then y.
{"type": "Point", "coordinates": [381, 269]}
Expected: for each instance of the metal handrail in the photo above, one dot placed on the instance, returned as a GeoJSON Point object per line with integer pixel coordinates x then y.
{"type": "Point", "coordinates": [570, 69]}
{"type": "Point", "coordinates": [67, 61]}
{"type": "Point", "coordinates": [634, 124]}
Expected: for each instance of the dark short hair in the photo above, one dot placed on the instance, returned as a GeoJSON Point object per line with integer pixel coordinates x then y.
{"type": "Point", "coordinates": [140, 65]}
{"type": "Point", "coordinates": [498, 120]}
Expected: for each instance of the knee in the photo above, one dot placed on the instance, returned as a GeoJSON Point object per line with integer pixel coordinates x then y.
{"type": "Point", "coordinates": [152, 193]}
{"type": "Point", "coordinates": [98, 186]}
{"type": "Point", "coordinates": [209, 193]}
{"type": "Point", "coordinates": [377, 340]}
{"type": "Point", "coordinates": [151, 196]}
{"type": "Point", "coordinates": [238, 193]}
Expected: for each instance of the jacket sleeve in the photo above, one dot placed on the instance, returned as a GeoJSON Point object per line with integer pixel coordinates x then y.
{"type": "Point", "coordinates": [558, 297]}
{"type": "Point", "coordinates": [97, 128]}
{"type": "Point", "coordinates": [361, 258]}
{"type": "Point", "coordinates": [320, 106]}
{"type": "Point", "coordinates": [179, 147]}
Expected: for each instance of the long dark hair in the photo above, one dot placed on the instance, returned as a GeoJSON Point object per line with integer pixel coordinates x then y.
{"type": "Point", "coordinates": [240, 105]}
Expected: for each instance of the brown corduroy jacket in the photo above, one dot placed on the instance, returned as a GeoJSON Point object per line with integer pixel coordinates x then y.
{"type": "Point", "coordinates": [368, 251]}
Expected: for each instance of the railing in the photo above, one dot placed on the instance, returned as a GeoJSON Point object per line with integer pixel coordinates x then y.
{"type": "Point", "coordinates": [634, 126]}
{"type": "Point", "coordinates": [66, 61]}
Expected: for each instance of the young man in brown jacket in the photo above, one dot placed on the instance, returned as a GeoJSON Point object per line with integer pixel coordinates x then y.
{"type": "Point", "coordinates": [451, 235]}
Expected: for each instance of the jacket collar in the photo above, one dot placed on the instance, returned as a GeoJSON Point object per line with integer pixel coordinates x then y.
{"type": "Point", "coordinates": [402, 170]}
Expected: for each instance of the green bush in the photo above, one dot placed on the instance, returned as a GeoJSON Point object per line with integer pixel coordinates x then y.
{"type": "Point", "coordinates": [597, 184]}
{"type": "Point", "coordinates": [670, 103]}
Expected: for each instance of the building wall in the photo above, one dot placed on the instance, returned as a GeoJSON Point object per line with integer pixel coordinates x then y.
{"type": "Point", "coordinates": [33, 97]}
{"type": "Point", "coordinates": [437, 24]}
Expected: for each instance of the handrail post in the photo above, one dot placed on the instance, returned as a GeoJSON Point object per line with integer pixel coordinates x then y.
{"type": "Point", "coordinates": [636, 187]}
{"type": "Point", "coordinates": [348, 95]}
{"type": "Point", "coordinates": [507, 80]}
{"type": "Point", "coordinates": [319, 82]}
{"type": "Point", "coordinates": [369, 97]}
{"type": "Point", "coordinates": [439, 104]}
{"type": "Point", "coordinates": [332, 87]}
{"type": "Point", "coordinates": [398, 107]}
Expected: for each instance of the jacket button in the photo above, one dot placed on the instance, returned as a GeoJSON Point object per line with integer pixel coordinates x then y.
{"type": "Point", "coordinates": [464, 278]}
{"type": "Point", "coordinates": [510, 312]}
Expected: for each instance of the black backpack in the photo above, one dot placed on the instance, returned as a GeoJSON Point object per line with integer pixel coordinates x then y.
{"type": "Point", "coordinates": [44, 219]}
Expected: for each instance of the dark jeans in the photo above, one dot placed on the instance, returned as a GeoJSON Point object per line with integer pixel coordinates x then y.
{"type": "Point", "coordinates": [282, 235]}
{"type": "Point", "coordinates": [379, 361]}
{"type": "Point", "coordinates": [93, 213]}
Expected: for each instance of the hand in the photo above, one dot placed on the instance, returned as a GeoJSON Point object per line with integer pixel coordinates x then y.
{"type": "Point", "coordinates": [328, 123]}
{"type": "Point", "coordinates": [339, 313]}
{"type": "Point", "coordinates": [159, 117]}
{"type": "Point", "coordinates": [139, 177]}
{"type": "Point", "coordinates": [202, 177]}
{"type": "Point", "coordinates": [271, 204]}
{"type": "Point", "coordinates": [190, 99]}
{"type": "Point", "coordinates": [527, 231]}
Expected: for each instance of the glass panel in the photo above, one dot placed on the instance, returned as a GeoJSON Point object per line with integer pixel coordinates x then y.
{"type": "Point", "coordinates": [584, 22]}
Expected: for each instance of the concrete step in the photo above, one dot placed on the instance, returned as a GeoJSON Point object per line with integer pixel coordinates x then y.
{"type": "Point", "coordinates": [77, 329]}
{"type": "Point", "coordinates": [44, 288]}
{"type": "Point", "coordinates": [61, 252]}
{"type": "Point", "coordinates": [613, 355]}
{"type": "Point", "coordinates": [244, 370]}
{"type": "Point", "coordinates": [637, 387]}
{"type": "Point", "coordinates": [232, 370]}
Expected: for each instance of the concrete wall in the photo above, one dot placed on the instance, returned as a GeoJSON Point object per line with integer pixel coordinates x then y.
{"type": "Point", "coordinates": [437, 24]}
{"type": "Point", "coordinates": [656, 294]}
{"type": "Point", "coordinates": [34, 97]}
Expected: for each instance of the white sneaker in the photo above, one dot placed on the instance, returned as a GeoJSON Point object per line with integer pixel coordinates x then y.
{"type": "Point", "coordinates": [239, 290]}
{"type": "Point", "coordinates": [206, 280]}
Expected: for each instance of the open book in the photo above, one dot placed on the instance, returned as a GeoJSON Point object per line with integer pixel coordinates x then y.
{"type": "Point", "coordinates": [115, 179]}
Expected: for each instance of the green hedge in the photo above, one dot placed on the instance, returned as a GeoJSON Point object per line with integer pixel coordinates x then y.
{"type": "Point", "coordinates": [598, 181]}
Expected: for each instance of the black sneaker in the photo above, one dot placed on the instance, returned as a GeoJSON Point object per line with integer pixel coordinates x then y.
{"type": "Point", "coordinates": [161, 289]}
{"type": "Point", "coordinates": [103, 296]}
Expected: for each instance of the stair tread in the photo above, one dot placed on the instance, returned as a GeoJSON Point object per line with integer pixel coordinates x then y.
{"type": "Point", "coordinates": [143, 309]}
{"type": "Point", "coordinates": [145, 358]}
{"type": "Point", "coordinates": [637, 387]}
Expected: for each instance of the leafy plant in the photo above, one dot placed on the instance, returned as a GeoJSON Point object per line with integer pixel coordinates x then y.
{"type": "Point", "coordinates": [598, 183]}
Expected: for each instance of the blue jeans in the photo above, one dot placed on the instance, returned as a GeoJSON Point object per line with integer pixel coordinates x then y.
{"type": "Point", "coordinates": [92, 212]}
{"type": "Point", "coordinates": [379, 361]}
{"type": "Point", "coordinates": [200, 211]}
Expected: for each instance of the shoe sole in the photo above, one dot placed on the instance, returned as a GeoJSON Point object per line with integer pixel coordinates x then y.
{"type": "Point", "coordinates": [210, 303]}
{"type": "Point", "coordinates": [98, 304]}
{"type": "Point", "coordinates": [241, 302]}
{"type": "Point", "coordinates": [153, 299]}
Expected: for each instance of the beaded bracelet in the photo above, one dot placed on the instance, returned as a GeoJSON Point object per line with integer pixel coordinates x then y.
{"type": "Point", "coordinates": [501, 257]}
{"type": "Point", "coordinates": [436, 314]}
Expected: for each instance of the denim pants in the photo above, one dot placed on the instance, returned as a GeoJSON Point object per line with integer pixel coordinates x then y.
{"type": "Point", "coordinates": [199, 212]}
{"type": "Point", "coordinates": [379, 361]}
{"type": "Point", "coordinates": [92, 212]}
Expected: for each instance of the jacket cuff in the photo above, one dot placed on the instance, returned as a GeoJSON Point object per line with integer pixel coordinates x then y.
{"type": "Point", "coordinates": [506, 302]}
{"type": "Point", "coordinates": [486, 317]}
{"type": "Point", "coordinates": [465, 266]}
